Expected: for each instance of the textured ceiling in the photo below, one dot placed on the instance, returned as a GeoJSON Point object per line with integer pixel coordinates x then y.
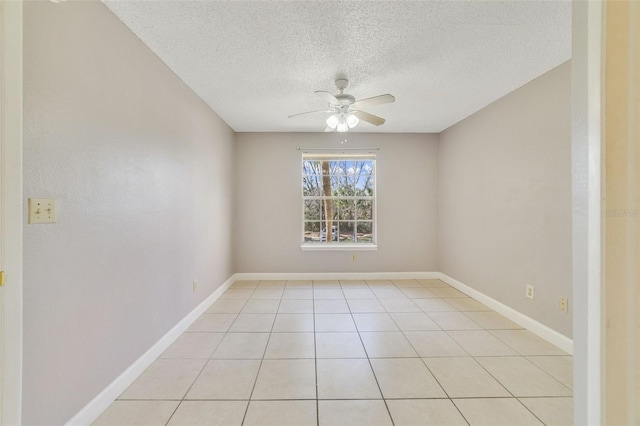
{"type": "Point", "coordinates": [256, 62]}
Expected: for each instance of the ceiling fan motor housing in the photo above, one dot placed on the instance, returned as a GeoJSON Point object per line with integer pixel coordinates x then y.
{"type": "Point", "coordinates": [345, 99]}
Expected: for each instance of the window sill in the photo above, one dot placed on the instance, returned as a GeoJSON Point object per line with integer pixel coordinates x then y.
{"type": "Point", "coordinates": [339, 247]}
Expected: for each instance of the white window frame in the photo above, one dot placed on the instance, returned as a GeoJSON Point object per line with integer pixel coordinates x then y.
{"type": "Point", "coordinates": [331, 245]}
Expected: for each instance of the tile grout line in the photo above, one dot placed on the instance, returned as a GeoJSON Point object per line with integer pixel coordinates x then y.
{"type": "Point", "coordinates": [244, 417]}
{"type": "Point", "coordinates": [384, 400]}
{"type": "Point", "coordinates": [315, 351]}
{"type": "Point", "coordinates": [425, 364]}
{"type": "Point", "coordinates": [205, 364]}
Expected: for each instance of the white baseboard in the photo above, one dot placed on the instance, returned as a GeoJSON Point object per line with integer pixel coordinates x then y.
{"type": "Point", "coordinates": [537, 328]}
{"type": "Point", "coordinates": [97, 405]}
{"type": "Point", "coordinates": [253, 276]}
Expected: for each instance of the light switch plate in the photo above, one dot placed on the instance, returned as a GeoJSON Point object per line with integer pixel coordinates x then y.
{"type": "Point", "coordinates": [42, 210]}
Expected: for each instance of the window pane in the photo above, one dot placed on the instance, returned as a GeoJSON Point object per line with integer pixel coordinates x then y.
{"type": "Point", "coordinates": [313, 210]}
{"type": "Point", "coordinates": [329, 209]}
{"type": "Point", "coordinates": [346, 209]}
{"type": "Point", "coordinates": [311, 231]}
{"type": "Point", "coordinates": [345, 229]}
{"type": "Point", "coordinates": [364, 209]}
{"type": "Point", "coordinates": [365, 232]}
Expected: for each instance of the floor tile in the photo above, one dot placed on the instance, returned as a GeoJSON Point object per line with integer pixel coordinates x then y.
{"type": "Point", "coordinates": [377, 283]}
{"type": "Point", "coordinates": [299, 284]}
{"type": "Point", "coordinates": [245, 284]}
{"type": "Point", "coordinates": [387, 344]}
{"type": "Point", "coordinates": [495, 411]}
{"type": "Point", "coordinates": [136, 413]}
{"type": "Point", "coordinates": [165, 379]}
{"type": "Point", "coordinates": [242, 346]}
{"type": "Point", "coordinates": [331, 306]}
{"type": "Point", "coordinates": [407, 283]}
{"type": "Point", "coordinates": [559, 367]}
{"type": "Point", "coordinates": [365, 306]}
{"type": "Point", "coordinates": [281, 413]}
{"type": "Point", "coordinates": [527, 343]}
{"type": "Point", "coordinates": [464, 377]}
{"type": "Point", "coordinates": [353, 283]}
{"type": "Point", "coordinates": [346, 379]}
{"type": "Point", "coordinates": [269, 294]}
{"type": "Point", "coordinates": [293, 323]}
{"type": "Point", "coordinates": [453, 321]}
{"type": "Point", "coordinates": [193, 345]}
{"type": "Point", "coordinates": [481, 343]}
{"type": "Point", "coordinates": [490, 320]}
{"type": "Point", "coordinates": [227, 306]}
{"type": "Point", "coordinates": [327, 293]}
{"type": "Point", "coordinates": [434, 305]}
{"type": "Point", "coordinates": [272, 285]}
{"type": "Point", "coordinates": [286, 379]}
{"type": "Point", "coordinates": [259, 306]}
{"type": "Point", "coordinates": [405, 378]}
{"type": "Point", "coordinates": [290, 345]}
{"type": "Point", "coordinates": [358, 293]}
{"type": "Point", "coordinates": [466, 304]}
{"type": "Point", "coordinates": [296, 307]}
{"type": "Point", "coordinates": [375, 322]}
{"type": "Point", "coordinates": [434, 344]}
{"type": "Point", "coordinates": [447, 292]}
{"type": "Point", "coordinates": [522, 378]}
{"type": "Point", "coordinates": [388, 293]}
{"type": "Point", "coordinates": [425, 412]}
{"type": "Point", "coordinates": [225, 379]}
{"type": "Point", "coordinates": [326, 284]}
{"type": "Point", "coordinates": [433, 283]}
{"type": "Point", "coordinates": [237, 293]}
{"type": "Point", "coordinates": [257, 323]}
{"type": "Point", "coordinates": [418, 293]}
{"type": "Point", "coordinates": [334, 323]}
{"type": "Point", "coordinates": [339, 345]}
{"type": "Point", "coordinates": [552, 411]}
{"type": "Point", "coordinates": [297, 293]}
{"type": "Point", "coordinates": [400, 305]}
{"type": "Point", "coordinates": [218, 413]}
{"type": "Point", "coordinates": [213, 322]}
{"type": "Point", "coordinates": [414, 322]}
{"type": "Point", "coordinates": [351, 413]}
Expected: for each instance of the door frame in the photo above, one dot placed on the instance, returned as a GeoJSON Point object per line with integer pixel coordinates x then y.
{"type": "Point", "coordinates": [11, 98]}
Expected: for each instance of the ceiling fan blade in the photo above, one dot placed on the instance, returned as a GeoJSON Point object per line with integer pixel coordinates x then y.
{"type": "Point", "coordinates": [376, 100]}
{"type": "Point", "coordinates": [310, 112]}
{"type": "Point", "coordinates": [328, 129]}
{"type": "Point", "coordinates": [327, 97]}
{"type": "Point", "coordinates": [369, 118]}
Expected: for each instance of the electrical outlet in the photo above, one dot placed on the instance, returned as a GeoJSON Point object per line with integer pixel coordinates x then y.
{"type": "Point", "coordinates": [564, 304]}
{"type": "Point", "coordinates": [531, 292]}
{"type": "Point", "coordinates": [354, 257]}
{"type": "Point", "coordinates": [195, 285]}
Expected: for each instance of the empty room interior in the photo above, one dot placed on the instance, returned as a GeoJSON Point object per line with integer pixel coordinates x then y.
{"type": "Point", "coordinates": [299, 213]}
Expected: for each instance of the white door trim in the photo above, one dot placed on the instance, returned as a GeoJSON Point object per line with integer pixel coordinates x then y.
{"type": "Point", "coordinates": [587, 210]}
{"type": "Point", "coordinates": [11, 214]}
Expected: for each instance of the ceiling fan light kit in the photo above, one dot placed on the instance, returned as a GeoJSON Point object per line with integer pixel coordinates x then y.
{"type": "Point", "coordinates": [345, 109]}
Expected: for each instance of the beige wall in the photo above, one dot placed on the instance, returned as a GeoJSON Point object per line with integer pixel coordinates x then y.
{"type": "Point", "coordinates": [505, 199]}
{"type": "Point", "coordinates": [269, 207]}
{"type": "Point", "coordinates": [142, 171]}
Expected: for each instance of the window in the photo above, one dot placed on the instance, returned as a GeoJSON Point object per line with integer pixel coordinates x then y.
{"type": "Point", "coordinates": [338, 196]}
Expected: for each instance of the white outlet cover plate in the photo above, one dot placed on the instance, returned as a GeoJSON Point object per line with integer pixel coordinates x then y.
{"type": "Point", "coordinates": [42, 210]}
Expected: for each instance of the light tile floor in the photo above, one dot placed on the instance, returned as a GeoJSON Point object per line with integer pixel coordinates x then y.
{"type": "Point", "coordinates": [357, 353]}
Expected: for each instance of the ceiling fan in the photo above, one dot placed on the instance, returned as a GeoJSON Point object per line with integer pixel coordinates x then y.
{"type": "Point", "coordinates": [346, 112]}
